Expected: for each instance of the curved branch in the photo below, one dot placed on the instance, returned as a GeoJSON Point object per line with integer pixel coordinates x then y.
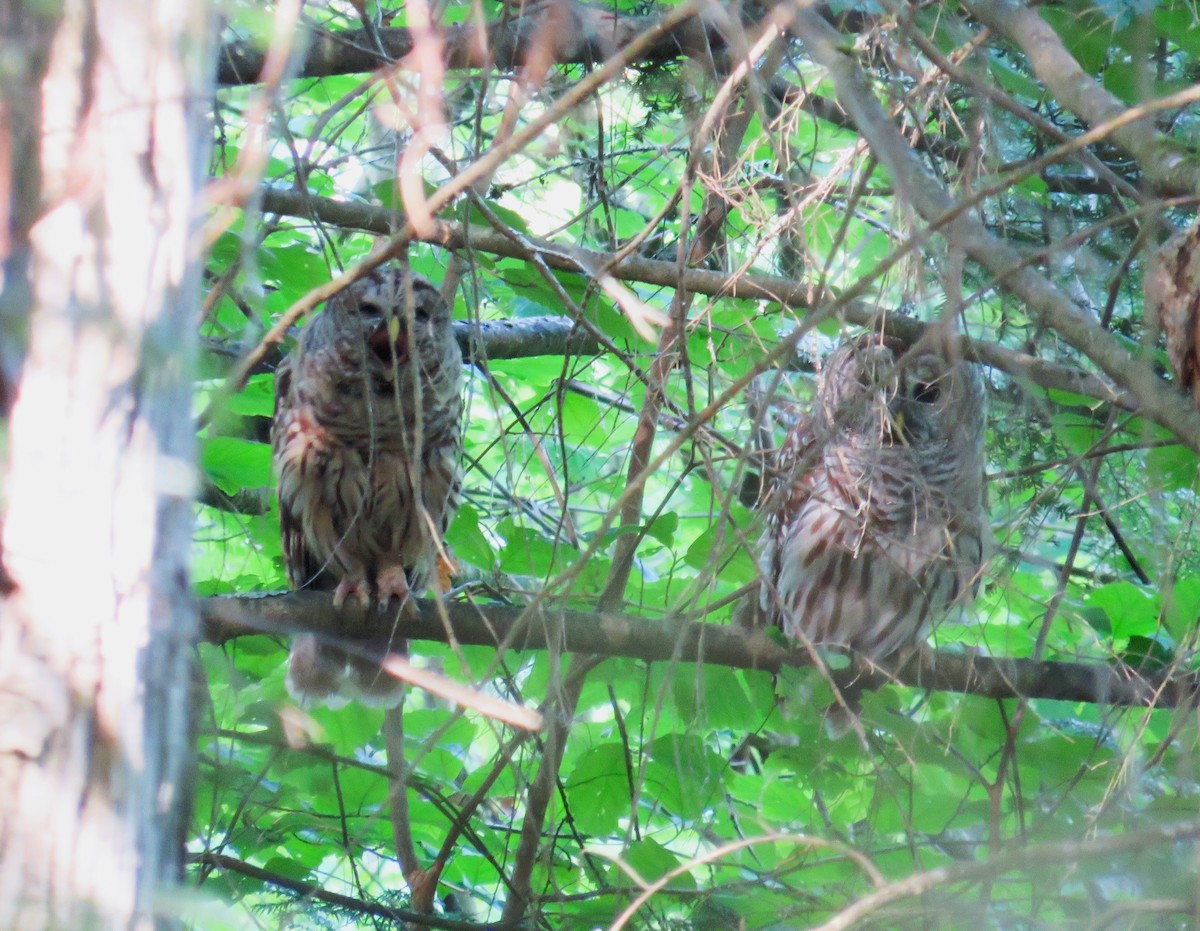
{"type": "Point", "coordinates": [226, 617]}
{"type": "Point", "coordinates": [789, 292]}
{"type": "Point", "coordinates": [1058, 852]}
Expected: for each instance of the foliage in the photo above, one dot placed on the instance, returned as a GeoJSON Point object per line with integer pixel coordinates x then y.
{"type": "Point", "coordinates": [721, 784]}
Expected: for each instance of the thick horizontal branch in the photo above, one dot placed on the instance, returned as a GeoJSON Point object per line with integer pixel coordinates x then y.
{"type": "Point", "coordinates": [789, 292]}
{"type": "Point", "coordinates": [572, 33]}
{"type": "Point", "coordinates": [517, 338]}
{"type": "Point", "coordinates": [658, 640]}
{"type": "Point", "coordinates": [591, 35]}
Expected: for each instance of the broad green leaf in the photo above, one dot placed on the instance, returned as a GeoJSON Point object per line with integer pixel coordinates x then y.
{"type": "Point", "coordinates": [1182, 611]}
{"type": "Point", "coordinates": [651, 861]}
{"type": "Point", "coordinates": [1131, 609]}
{"type": "Point", "coordinates": [257, 399]}
{"type": "Point", "coordinates": [1171, 467]}
{"type": "Point", "coordinates": [467, 540]}
{"type": "Point", "coordinates": [234, 464]}
{"type": "Point", "coordinates": [599, 789]}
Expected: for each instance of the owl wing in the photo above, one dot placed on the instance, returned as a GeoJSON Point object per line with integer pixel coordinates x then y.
{"type": "Point", "coordinates": [294, 452]}
{"type": "Point", "coordinates": [786, 487]}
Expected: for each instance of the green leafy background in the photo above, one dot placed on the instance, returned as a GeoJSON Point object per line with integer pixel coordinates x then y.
{"type": "Point", "coordinates": [723, 779]}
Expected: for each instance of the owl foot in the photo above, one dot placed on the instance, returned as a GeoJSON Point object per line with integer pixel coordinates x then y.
{"type": "Point", "coordinates": [355, 585]}
{"type": "Point", "coordinates": [392, 585]}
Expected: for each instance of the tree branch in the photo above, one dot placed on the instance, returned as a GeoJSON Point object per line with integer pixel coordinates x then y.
{"type": "Point", "coordinates": [347, 903]}
{"type": "Point", "coordinates": [227, 617]}
{"type": "Point", "coordinates": [1068, 853]}
{"type": "Point", "coordinates": [789, 292]}
{"type": "Point", "coordinates": [590, 35]}
{"type": "Point", "coordinates": [1166, 162]}
{"type": "Point", "coordinates": [1157, 400]}
{"type": "Point", "coordinates": [517, 338]}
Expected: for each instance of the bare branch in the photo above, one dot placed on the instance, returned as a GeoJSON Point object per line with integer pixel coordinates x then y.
{"type": "Point", "coordinates": [349, 903]}
{"type": "Point", "coordinates": [1062, 852]}
{"type": "Point", "coordinates": [593, 34]}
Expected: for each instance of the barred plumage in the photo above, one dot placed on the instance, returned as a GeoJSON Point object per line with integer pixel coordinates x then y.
{"type": "Point", "coordinates": [875, 525]}
{"type": "Point", "coordinates": [1172, 283]}
{"type": "Point", "coordinates": [367, 444]}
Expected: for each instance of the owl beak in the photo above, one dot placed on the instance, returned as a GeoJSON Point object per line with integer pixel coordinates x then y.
{"type": "Point", "coordinates": [897, 421]}
{"type": "Point", "coordinates": [389, 342]}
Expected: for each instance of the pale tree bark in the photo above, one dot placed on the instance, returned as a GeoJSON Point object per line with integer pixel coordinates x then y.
{"type": "Point", "coordinates": [101, 156]}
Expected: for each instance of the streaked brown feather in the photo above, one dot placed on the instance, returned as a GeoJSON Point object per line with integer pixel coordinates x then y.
{"type": "Point", "coordinates": [1172, 283]}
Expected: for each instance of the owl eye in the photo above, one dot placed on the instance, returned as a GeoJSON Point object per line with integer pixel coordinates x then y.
{"type": "Point", "coordinates": [926, 392]}
{"type": "Point", "coordinates": [369, 309]}
{"type": "Point", "coordinates": [421, 314]}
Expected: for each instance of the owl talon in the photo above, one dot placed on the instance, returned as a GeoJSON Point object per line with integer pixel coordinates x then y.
{"type": "Point", "coordinates": [352, 585]}
{"type": "Point", "coordinates": [392, 583]}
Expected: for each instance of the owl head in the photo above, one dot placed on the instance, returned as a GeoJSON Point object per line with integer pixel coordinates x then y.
{"type": "Point", "coordinates": [390, 321]}
{"type": "Point", "coordinates": [888, 395]}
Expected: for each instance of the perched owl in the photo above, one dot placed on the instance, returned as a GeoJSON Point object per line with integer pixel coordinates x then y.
{"type": "Point", "coordinates": [1172, 283]}
{"type": "Point", "coordinates": [367, 444]}
{"type": "Point", "coordinates": [875, 520]}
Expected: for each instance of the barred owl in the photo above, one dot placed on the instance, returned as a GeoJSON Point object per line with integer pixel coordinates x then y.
{"type": "Point", "coordinates": [1172, 283]}
{"type": "Point", "coordinates": [875, 524]}
{"type": "Point", "coordinates": [367, 446]}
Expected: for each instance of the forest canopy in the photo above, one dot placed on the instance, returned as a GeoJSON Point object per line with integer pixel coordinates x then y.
{"type": "Point", "coordinates": [653, 222]}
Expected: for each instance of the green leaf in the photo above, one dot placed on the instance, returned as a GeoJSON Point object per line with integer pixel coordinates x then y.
{"type": "Point", "coordinates": [1171, 467]}
{"type": "Point", "coordinates": [651, 861]}
{"type": "Point", "coordinates": [1155, 653]}
{"type": "Point", "coordinates": [599, 789]}
{"type": "Point", "coordinates": [684, 775]}
{"type": "Point", "coordinates": [352, 728]}
{"type": "Point", "coordinates": [509, 216]}
{"type": "Point", "coordinates": [1078, 434]}
{"type": "Point", "coordinates": [1178, 23]}
{"type": "Point", "coordinates": [715, 549]}
{"type": "Point", "coordinates": [468, 541]}
{"type": "Point", "coordinates": [1131, 610]}
{"type": "Point", "coordinates": [663, 528]}
{"type": "Point", "coordinates": [525, 551]}
{"type": "Point", "coordinates": [1085, 33]}
{"type": "Point", "coordinates": [257, 399]}
{"type": "Point", "coordinates": [782, 801]}
{"type": "Point", "coordinates": [1181, 613]}
{"type": "Point", "coordinates": [234, 464]}
{"type": "Point", "coordinates": [296, 266]}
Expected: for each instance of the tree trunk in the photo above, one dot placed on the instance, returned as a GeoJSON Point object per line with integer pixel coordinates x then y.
{"type": "Point", "coordinates": [102, 146]}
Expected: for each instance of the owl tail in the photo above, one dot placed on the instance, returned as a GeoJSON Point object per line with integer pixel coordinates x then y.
{"type": "Point", "coordinates": [316, 673]}
{"type": "Point", "coordinates": [374, 686]}
{"type": "Point", "coordinates": [841, 717]}
{"type": "Point", "coordinates": [321, 674]}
